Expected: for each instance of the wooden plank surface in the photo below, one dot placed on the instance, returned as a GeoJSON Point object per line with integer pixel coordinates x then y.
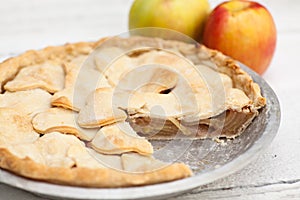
{"type": "Point", "coordinates": [34, 24]}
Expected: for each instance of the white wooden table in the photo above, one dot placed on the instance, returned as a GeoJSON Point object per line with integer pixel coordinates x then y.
{"type": "Point", "coordinates": [33, 24]}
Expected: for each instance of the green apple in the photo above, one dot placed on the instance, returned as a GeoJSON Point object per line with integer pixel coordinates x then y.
{"type": "Point", "coordinates": [185, 16]}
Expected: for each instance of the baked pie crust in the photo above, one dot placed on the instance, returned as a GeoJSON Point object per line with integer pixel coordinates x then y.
{"type": "Point", "coordinates": [58, 126]}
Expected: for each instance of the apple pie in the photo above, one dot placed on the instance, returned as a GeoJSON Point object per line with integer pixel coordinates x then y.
{"type": "Point", "coordinates": [86, 114]}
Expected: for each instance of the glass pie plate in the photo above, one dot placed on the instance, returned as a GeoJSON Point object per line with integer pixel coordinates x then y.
{"type": "Point", "coordinates": [208, 159]}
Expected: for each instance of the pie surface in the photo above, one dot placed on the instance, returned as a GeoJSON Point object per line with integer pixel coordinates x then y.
{"type": "Point", "coordinates": [85, 114]}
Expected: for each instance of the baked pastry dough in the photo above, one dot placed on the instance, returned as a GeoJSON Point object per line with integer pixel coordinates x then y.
{"type": "Point", "coordinates": [61, 120]}
{"type": "Point", "coordinates": [81, 114]}
{"type": "Point", "coordinates": [79, 82]}
{"type": "Point", "coordinates": [100, 110]}
{"type": "Point", "coordinates": [16, 128]}
{"type": "Point", "coordinates": [137, 163]}
{"type": "Point", "coordinates": [120, 138]}
{"type": "Point", "coordinates": [156, 79]}
{"type": "Point", "coordinates": [38, 76]}
{"type": "Point", "coordinates": [29, 102]}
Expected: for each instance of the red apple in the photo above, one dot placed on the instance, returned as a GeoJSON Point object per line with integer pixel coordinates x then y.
{"type": "Point", "coordinates": [244, 30]}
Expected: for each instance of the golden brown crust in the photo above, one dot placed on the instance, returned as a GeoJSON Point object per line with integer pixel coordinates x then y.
{"type": "Point", "coordinates": [10, 67]}
{"type": "Point", "coordinates": [64, 103]}
{"type": "Point", "coordinates": [240, 78]}
{"type": "Point", "coordinates": [199, 54]}
{"type": "Point", "coordinates": [120, 138]}
{"type": "Point", "coordinates": [102, 177]}
{"type": "Point", "coordinates": [63, 121]}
